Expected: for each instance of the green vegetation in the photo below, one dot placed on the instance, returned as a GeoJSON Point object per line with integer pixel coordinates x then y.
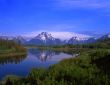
{"type": "Point", "coordinates": [92, 67]}
{"type": "Point", "coordinates": [81, 70]}
{"type": "Point", "coordinates": [10, 48]}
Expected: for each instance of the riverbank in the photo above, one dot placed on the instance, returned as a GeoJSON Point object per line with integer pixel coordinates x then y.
{"type": "Point", "coordinates": [13, 52]}
{"type": "Point", "coordinates": [13, 57]}
{"type": "Point", "coordinates": [74, 71]}
{"type": "Point", "coordinates": [11, 48]}
{"type": "Point", "coordinates": [65, 49]}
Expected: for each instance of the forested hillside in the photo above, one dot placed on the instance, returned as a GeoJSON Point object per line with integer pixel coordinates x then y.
{"type": "Point", "coordinates": [9, 46]}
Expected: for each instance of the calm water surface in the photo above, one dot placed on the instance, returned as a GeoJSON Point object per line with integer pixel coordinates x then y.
{"type": "Point", "coordinates": [21, 66]}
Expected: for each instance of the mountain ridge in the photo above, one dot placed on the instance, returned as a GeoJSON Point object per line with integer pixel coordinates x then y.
{"type": "Point", "coordinates": [45, 38]}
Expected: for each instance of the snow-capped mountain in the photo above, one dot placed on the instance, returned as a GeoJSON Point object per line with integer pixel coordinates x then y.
{"type": "Point", "coordinates": [60, 35]}
{"type": "Point", "coordinates": [73, 40]}
{"type": "Point", "coordinates": [19, 39]}
{"type": "Point", "coordinates": [44, 38]}
{"type": "Point", "coordinates": [57, 38]}
{"type": "Point", "coordinates": [68, 35]}
{"type": "Point", "coordinates": [104, 40]}
{"type": "Point", "coordinates": [78, 40]}
{"type": "Point", "coordinates": [105, 36]}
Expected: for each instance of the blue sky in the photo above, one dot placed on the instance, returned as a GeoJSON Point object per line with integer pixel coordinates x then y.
{"type": "Point", "coordinates": [27, 16]}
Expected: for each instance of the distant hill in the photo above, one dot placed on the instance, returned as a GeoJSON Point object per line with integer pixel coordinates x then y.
{"type": "Point", "coordinates": [75, 40]}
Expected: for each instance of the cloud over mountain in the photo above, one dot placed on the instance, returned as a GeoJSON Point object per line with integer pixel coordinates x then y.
{"type": "Point", "coordinates": [60, 35]}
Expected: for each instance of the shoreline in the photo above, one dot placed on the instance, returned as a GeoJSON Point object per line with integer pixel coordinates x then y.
{"type": "Point", "coordinates": [12, 54]}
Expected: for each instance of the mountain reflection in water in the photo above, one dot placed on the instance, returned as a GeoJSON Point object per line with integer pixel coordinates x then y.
{"type": "Point", "coordinates": [43, 55]}
{"type": "Point", "coordinates": [21, 65]}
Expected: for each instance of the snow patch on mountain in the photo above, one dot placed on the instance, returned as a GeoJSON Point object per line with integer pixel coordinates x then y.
{"type": "Point", "coordinates": [44, 36]}
{"type": "Point", "coordinates": [68, 35]}
{"type": "Point", "coordinates": [60, 35]}
{"type": "Point", "coordinates": [109, 36]}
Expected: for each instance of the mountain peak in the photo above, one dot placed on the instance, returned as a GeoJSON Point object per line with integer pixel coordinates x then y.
{"type": "Point", "coordinates": [44, 33]}
{"type": "Point", "coordinates": [44, 36]}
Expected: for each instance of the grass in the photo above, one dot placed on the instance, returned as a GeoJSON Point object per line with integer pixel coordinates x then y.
{"type": "Point", "coordinates": [12, 52]}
